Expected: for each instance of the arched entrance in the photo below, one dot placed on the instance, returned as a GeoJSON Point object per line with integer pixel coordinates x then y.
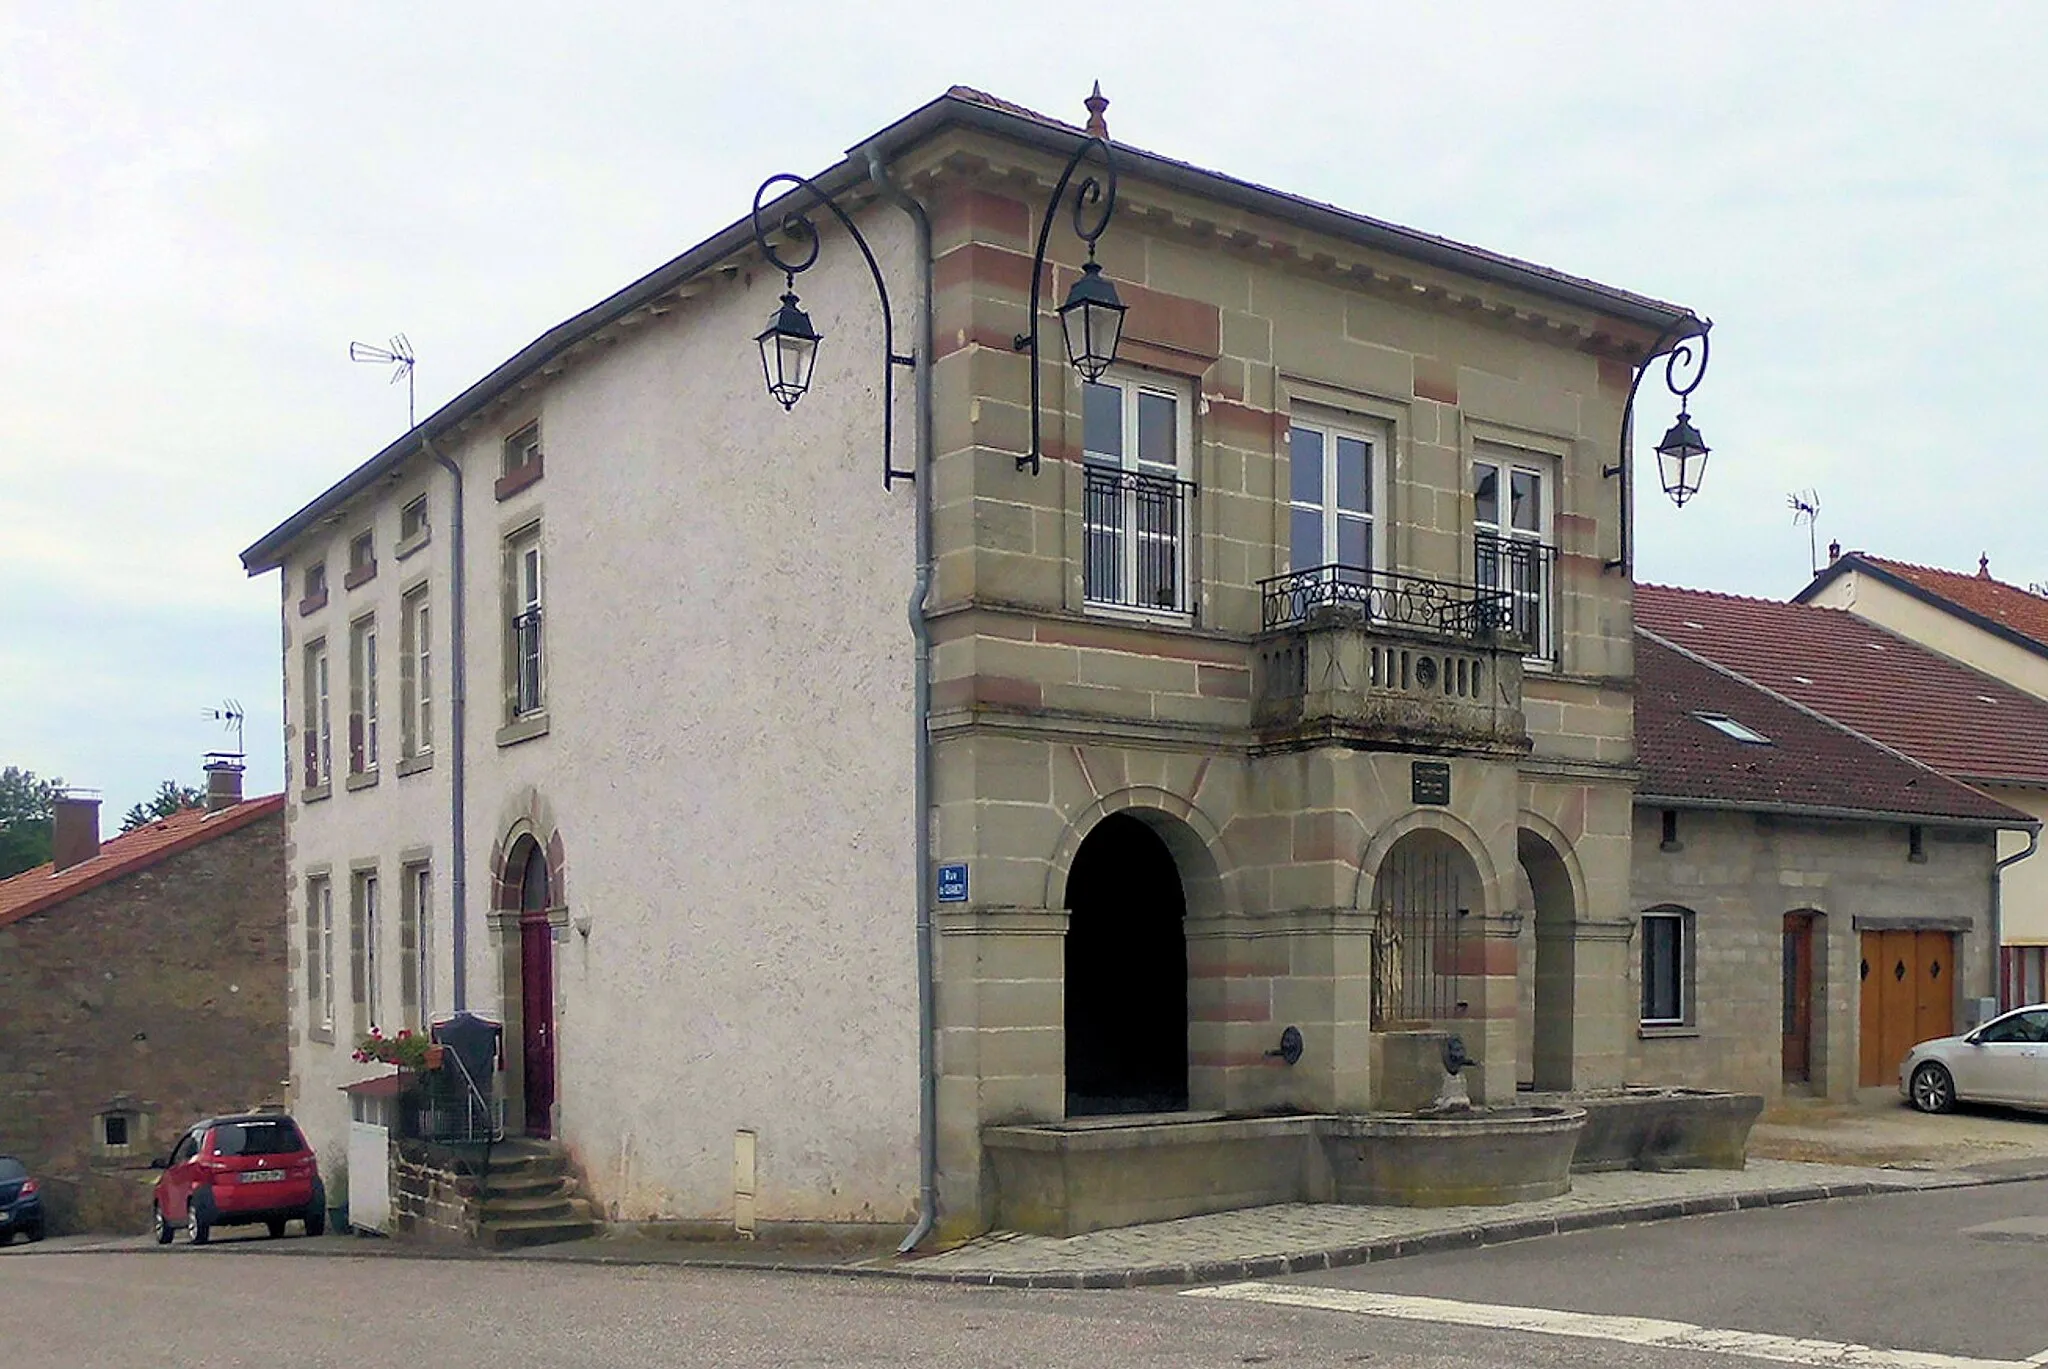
{"type": "Point", "coordinates": [1126, 973]}
{"type": "Point", "coordinates": [1554, 970]}
{"type": "Point", "coordinates": [536, 985]}
{"type": "Point", "coordinates": [1427, 952]}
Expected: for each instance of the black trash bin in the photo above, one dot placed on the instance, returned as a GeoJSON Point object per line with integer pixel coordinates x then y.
{"type": "Point", "coordinates": [465, 1106]}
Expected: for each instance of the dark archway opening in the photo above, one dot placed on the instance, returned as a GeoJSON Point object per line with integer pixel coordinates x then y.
{"type": "Point", "coordinates": [1127, 974]}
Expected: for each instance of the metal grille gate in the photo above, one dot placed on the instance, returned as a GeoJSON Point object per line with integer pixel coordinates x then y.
{"type": "Point", "coordinates": [1418, 943]}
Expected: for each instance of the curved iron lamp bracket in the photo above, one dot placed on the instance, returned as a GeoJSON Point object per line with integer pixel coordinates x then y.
{"type": "Point", "coordinates": [1681, 360]}
{"type": "Point", "coordinates": [796, 225]}
{"type": "Point", "coordinates": [1088, 195]}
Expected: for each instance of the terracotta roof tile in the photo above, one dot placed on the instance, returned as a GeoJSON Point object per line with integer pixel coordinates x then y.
{"type": "Point", "coordinates": [2024, 612]}
{"type": "Point", "coordinates": [1964, 724]}
{"type": "Point", "coordinates": [32, 891]}
{"type": "Point", "coordinates": [1810, 764]}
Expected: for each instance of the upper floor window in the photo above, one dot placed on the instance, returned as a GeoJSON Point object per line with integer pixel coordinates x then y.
{"type": "Point", "coordinates": [528, 675]}
{"type": "Point", "coordinates": [318, 755]}
{"type": "Point", "coordinates": [313, 587]}
{"type": "Point", "coordinates": [1513, 552]}
{"type": "Point", "coordinates": [412, 520]}
{"type": "Point", "coordinates": [520, 464]}
{"type": "Point", "coordinates": [362, 696]}
{"type": "Point", "coordinates": [1137, 455]}
{"type": "Point", "coordinates": [416, 676]}
{"type": "Point", "coordinates": [1333, 477]}
{"type": "Point", "coordinates": [362, 559]}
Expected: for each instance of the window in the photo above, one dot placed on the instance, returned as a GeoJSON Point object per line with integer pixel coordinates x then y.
{"type": "Point", "coordinates": [114, 1130]}
{"type": "Point", "coordinates": [1332, 488]}
{"type": "Point", "coordinates": [366, 973]}
{"type": "Point", "coordinates": [415, 676]}
{"type": "Point", "coordinates": [416, 946]}
{"type": "Point", "coordinates": [523, 577]}
{"type": "Point", "coordinates": [1667, 963]}
{"type": "Point", "coordinates": [318, 732]}
{"type": "Point", "coordinates": [412, 520]}
{"type": "Point", "coordinates": [2021, 1028]}
{"type": "Point", "coordinates": [270, 1136]}
{"type": "Point", "coordinates": [320, 954]}
{"type": "Point", "coordinates": [1135, 494]}
{"type": "Point", "coordinates": [362, 559]}
{"type": "Point", "coordinates": [1512, 554]}
{"type": "Point", "coordinates": [1728, 727]}
{"type": "Point", "coordinates": [362, 697]}
{"type": "Point", "coordinates": [313, 587]}
{"type": "Point", "coordinates": [521, 463]}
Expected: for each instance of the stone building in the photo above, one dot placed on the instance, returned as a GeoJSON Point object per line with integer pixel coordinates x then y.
{"type": "Point", "coordinates": [1810, 903]}
{"type": "Point", "coordinates": [1244, 689]}
{"type": "Point", "coordinates": [2001, 630]}
{"type": "Point", "coordinates": [143, 979]}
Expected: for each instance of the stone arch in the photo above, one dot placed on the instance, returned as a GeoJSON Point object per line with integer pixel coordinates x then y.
{"type": "Point", "coordinates": [534, 825]}
{"type": "Point", "coordinates": [1557, 888]}
{"type": "Point", "coordinates": [1207, 874]}
{"type": "Point", "coordinates": [1445, 823]}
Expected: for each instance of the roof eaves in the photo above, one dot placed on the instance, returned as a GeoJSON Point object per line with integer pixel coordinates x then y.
{"type": "Point", "coordinates": [1672, 322]}
{"type": "Point", "coordinates": [2019, 822]}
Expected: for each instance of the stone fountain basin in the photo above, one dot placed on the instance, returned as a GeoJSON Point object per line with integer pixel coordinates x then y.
{"type": "Point", "coordinates": [1482, 1158]}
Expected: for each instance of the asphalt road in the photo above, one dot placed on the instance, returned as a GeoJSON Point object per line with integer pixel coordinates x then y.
{"type": "Point", "coordinates": [1892, 1271]}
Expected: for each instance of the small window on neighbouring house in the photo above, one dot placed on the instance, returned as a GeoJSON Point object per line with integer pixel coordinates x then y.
{"type": "Point", "coordinates": [1667, 965]}
{"type": "Point", "coordinates": [412, 520]}
{"type": "Point", "coordinates": [1728, 727]}
{"type": "Point", "coordinates": [522, 449]}
{"type": "Point", "coordinates": [114, 1130]}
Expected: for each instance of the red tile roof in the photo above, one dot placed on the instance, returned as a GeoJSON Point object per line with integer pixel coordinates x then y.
{"type": "Point", "coordinates": [1976, 594]}
{"type": "Point", "coordinates": [1811, 765]}
{"type": "Point", "coordinates": [1964, 724]}
{"type": "Point", "coordinates": [32, 891]}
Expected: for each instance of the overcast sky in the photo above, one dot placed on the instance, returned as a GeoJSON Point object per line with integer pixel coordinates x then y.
{"type": "Point", "coordinates": [201, 205]}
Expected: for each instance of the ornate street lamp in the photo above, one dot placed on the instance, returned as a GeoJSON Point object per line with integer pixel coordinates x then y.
{"type": "Point", "coordinates": [1092, 318]}
{"type": "Point", "coordinates": [789, 344]}
{"type": "Point", "coordinates": [1682, 455]}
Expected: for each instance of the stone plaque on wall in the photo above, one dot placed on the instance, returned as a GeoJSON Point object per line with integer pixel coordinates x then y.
{"type": "Point", "coordinates": [1430, 781]}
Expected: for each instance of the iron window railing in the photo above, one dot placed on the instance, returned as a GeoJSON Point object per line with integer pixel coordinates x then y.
{"type": "Point", "coordinates": [1136, 535]}
{"type": "Point", "coordinates": [1525, 573]}
{"type": "Point", "coordinates": [1475, 613]}
{"type": "Point", "coordinates": [526, 696]}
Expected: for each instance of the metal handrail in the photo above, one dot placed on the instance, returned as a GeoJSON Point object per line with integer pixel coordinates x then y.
{"type": "Point", "coordinates": [1146, 519]}
{"type": "Point", "coordinates": [474, 1101]}
{"type": "Point", "coordinates": [1474, 613]}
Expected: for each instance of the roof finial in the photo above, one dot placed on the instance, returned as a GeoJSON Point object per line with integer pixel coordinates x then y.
{"type": "Point", "coordinates": [1834, 550]}
{"type": "Point", "coordinates": [1098, 127]}
{"type": "Point", "coordinates": [1984, 566]}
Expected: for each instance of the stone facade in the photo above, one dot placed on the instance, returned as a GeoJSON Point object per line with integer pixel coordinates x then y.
{"type": "Point", "coordinates": [157, 998]}
{"type": "Point", "coordinates": [1738, 875]}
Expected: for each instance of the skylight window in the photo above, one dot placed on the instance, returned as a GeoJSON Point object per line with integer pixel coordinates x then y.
{"type": "Point", "coordinates": [1728, 727]}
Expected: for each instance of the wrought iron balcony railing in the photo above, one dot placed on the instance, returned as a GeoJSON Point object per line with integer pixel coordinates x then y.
{"type": "Point", "coordinates": [1444, 608]}
{"type": "Point", "coordinates": [1137, 533]}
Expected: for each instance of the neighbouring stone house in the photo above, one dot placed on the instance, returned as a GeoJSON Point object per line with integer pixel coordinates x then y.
{"type": "Point", "coordinates": [1288, 690]}
{"type": "Point", "coordinates": [2002, 630]}
{"type": "Point", "coordinates": [143, 984]}
{"type": "Point", "coordinates": [1812, 903]}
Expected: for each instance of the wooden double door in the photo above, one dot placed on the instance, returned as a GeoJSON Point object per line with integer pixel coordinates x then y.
{"type": "Point", "coordinates": [1907, 996]}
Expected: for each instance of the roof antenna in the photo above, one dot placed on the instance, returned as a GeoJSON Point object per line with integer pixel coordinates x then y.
{"type": "Point", "coordinates": [1806, 509]}
{"type": "Point", "coordinates": [230, 715]}
{"type": "Point", "coordinates": [399, 357]}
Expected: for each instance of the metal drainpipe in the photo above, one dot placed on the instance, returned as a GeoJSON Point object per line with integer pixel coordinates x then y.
{"type": "Point", "coordinates": [458, 693]}
{"type": "Point", "coordinates": [921, 692]}
{"type": "Point", "coordinates": [1998, 910]}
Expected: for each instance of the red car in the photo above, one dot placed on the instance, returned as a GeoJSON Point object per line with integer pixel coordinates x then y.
{"type": "Point", "coordinates": [249, 1169]}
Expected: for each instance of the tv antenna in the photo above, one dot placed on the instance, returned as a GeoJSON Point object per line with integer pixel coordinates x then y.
{"type": "Point", "coordinates": [230, 716]}
{"type": "Point", "coordinates": [398, 356]}
{"type": "Point", "coordinates": [1806, 509]}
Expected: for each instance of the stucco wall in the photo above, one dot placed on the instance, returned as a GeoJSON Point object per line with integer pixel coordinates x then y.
{"type": "Point", "coordinates": [1739, 874]}
{"type": "Point", "coordinates": [2025, 911]}
{"type": "Point", "coordinates": [726, 760]}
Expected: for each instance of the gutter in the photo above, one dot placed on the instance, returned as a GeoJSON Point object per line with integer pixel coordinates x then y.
{"type": "Point", "coordinates": [1797, 810]}
{"type": "Point", "coordinates": [458, 700]}
{"type": "Point", "coordinates": [1998, 912]}
{"type": "Point", "coordinates": [921, 708]}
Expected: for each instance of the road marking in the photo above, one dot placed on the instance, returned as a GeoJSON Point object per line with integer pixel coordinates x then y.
{"type": "Point", "coordinates": [1644, 1331]}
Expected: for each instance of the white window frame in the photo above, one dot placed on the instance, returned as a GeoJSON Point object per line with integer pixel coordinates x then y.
{"type": "Point", "coordinates": [416, 708]}
{"type": "Point", "coordinates": [323, 910]}
{"type": "Point", "coordinates": [1507, 462]}
{"type": "Point", "coordinates": [406, 514]}
{"type": "Point", "coordinates": [528, 585]}
{"type": "Point", "coordinates": [319, 718]}
{"type": "Point", "coordinates": [1130, 382]}
{"type": "Point", "coordinates": [372, 966]}
{"type": "Point", "coordinates": [522, 448]}
{"type": "Point", "coordinates": [1681, 922]}
{"type": "Point", "coordinates": [1378, 439]}
{"type": "Point", "coordinates": [362, 688]}
{"type": "Point", "coordinates": [420, 886]}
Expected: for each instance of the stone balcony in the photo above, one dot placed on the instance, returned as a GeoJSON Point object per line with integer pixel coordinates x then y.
{"type": "Point", "coordinates": [1379, 659]}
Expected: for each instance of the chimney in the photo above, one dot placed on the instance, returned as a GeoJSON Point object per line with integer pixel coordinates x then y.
{"type": "Point", "coordinates": [75, 835]}
{"type": "Point", "coordinates": [223, 781]}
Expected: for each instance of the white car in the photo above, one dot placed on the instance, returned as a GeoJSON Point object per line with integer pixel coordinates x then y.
{"type": "Point", "coordinates": [2003, 1061]}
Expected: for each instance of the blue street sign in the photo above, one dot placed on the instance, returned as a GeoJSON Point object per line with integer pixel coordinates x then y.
{"type": "Point", "coordinates": [952, 884]}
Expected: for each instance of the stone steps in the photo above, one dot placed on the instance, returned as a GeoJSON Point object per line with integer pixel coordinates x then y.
{"type": "Point", "coordinates": [530, 1198]}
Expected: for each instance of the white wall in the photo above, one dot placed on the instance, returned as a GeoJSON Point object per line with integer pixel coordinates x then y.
{"type": "Point", "coordinates": [728, 758]}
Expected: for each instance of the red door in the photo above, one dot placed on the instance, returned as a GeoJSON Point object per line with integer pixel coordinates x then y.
{"type": "Point", "coordinates": [1797, 1026]}
{"type": "Point", "coordinates": [537, 1020]}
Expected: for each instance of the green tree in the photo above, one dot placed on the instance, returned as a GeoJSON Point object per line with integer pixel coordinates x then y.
{"type": "Point", "coordinates": [27, 815]}
{"type": "Point", "coordinates": [171, 797]}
